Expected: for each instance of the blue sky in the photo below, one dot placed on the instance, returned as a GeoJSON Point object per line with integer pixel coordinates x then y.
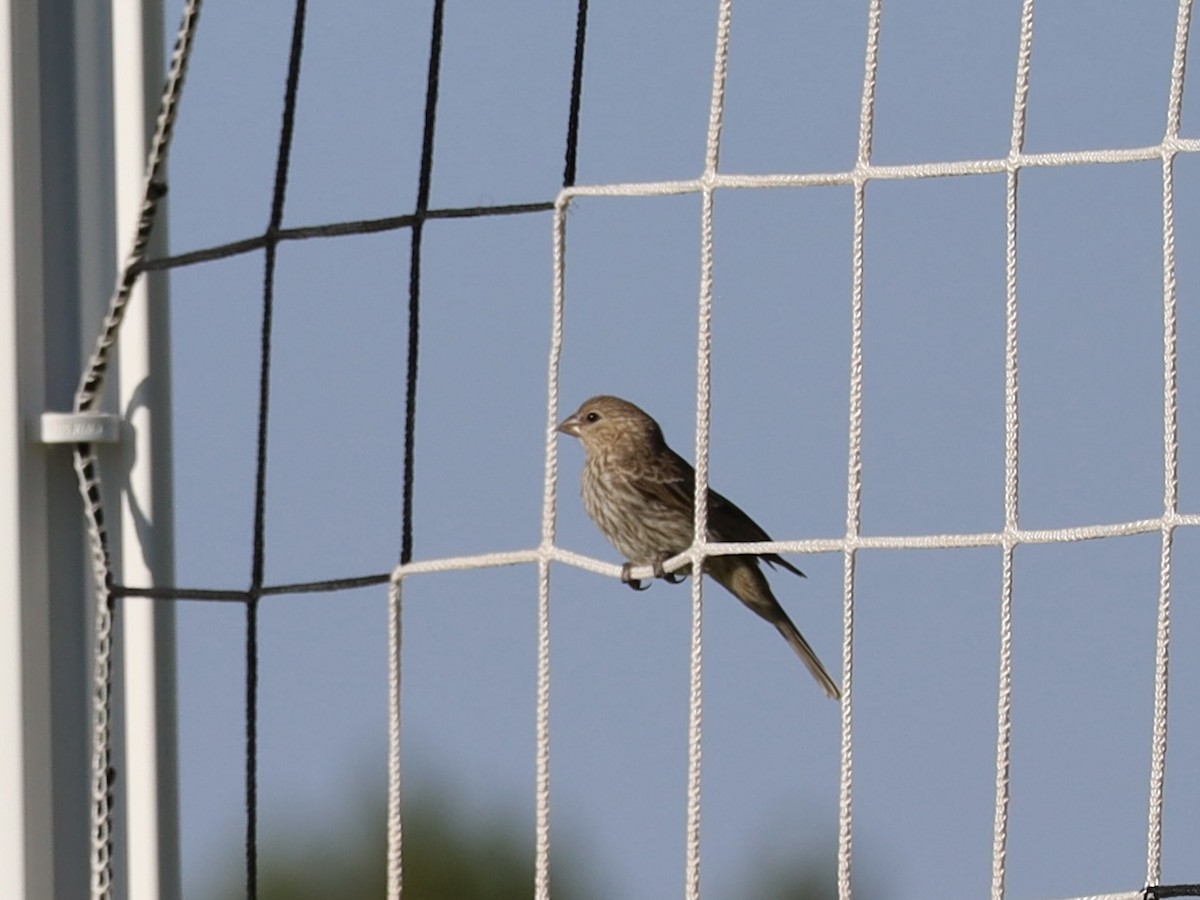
{"type": "Point", "coordinates": [927, 622]}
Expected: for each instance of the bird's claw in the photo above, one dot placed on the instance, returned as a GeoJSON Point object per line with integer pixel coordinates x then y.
{"type": "Point", "coordinates": [668, 577]}
{"type": "Point", "coordinates": [627, 578]}
{"type": "Point", "coordinates": [659, 572]}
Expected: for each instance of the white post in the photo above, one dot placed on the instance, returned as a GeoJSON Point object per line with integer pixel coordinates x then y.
{"type": "Point", "coordinates": [26, 821]}
{"type": "Point", "coordinates": [64, 107]}
{"type": "Point", "coordinates": [47, 249]}
{"type": "Point", "coordinates": [146, 551]}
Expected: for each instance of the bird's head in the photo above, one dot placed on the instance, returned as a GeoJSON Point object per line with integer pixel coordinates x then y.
{"type": "Point", "coordinates": [606, 425]}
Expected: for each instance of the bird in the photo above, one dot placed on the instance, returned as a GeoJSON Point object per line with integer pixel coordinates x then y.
{"type": "Point", "coordinates": [641, 494]}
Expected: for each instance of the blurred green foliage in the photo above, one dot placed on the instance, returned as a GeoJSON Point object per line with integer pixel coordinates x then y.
{"type": "Point", "coordinates": [449, 854]}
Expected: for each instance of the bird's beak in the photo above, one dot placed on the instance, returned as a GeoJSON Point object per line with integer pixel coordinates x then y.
{"type": "Point", "coordinates": [570, 425]}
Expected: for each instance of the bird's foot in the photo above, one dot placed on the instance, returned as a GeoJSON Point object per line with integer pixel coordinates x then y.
{"type": "Point", "coordinates": [627, 578]}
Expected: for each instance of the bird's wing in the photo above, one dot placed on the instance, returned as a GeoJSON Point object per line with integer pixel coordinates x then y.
{"type": "Point", "coordinates": [672, 481]}
{"type": "Point", "coordinates": [669, 480]}
{"type": "Point", "coordinates": [727, 522]}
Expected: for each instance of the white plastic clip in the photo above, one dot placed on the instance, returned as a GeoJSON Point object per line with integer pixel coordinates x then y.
{"type": "Point", "coordinates": [77, 428]}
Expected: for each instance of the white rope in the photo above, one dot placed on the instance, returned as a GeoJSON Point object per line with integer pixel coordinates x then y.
{"type": "Point", "coordinates": [712, 156]}
{"type": "Point", "coordinates": [808, 546]}
{"type": "Point", "coordinates": [395, 878]}
{"type": "Point", "coordinates": [866, 124]}
{"type": "Point", "coordinates": [87, 465]}
{"type": "Point", "coordinates": [1158, 744]}
{"type": "Point", "coordinates": [1011, 458]}
{"type": "Point", "coordinates": [544, 556]}
{"type": "Point", "coordinates": [542, 737]}
{"type": "Point", "coordinates": [901, 172]}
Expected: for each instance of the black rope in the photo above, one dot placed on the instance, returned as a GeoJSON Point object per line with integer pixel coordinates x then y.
{"type": "Point", "coordinates": [236, 596]}
{"type": "Point", "coordinates": [275, 234]}
{"type": "Point", "coordinates": [335, 229]}
{"type": "Point", "coordinates": [576, 95]}
{"type": "Point", "coordinates": [414, 276]}
{"type": "Point", "coordinates": [1163, 891]}
{"type": "Point", "coordinates": [286, 132]}
{"type": "Point", "coordinates": [269, 242]}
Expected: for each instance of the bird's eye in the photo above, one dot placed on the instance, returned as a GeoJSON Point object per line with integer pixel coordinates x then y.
{"type": "Point", "coordinates": [592, 417]}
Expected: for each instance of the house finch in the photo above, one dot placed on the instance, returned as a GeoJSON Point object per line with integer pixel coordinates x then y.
{"type": "Point", "coordinates": [641, 493]}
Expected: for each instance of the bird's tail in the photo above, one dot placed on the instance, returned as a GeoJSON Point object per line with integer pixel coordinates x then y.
{"type": "Point", "coordinates": [742, 577]}
{"type": "Point", "coordinates": [793, 636]}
